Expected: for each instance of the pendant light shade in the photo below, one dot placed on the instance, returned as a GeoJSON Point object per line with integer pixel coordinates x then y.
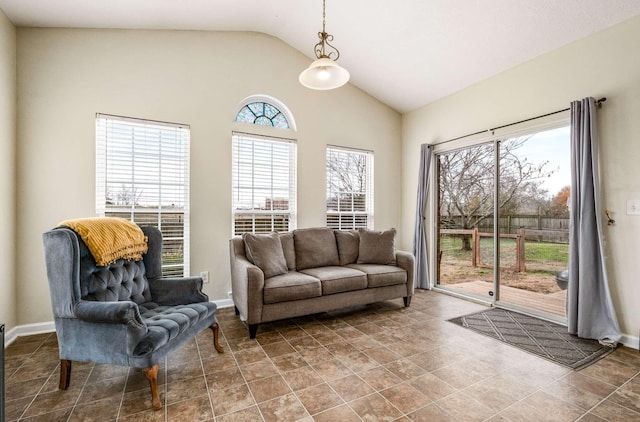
{"type": "Point", "coordinates": [324, 73]}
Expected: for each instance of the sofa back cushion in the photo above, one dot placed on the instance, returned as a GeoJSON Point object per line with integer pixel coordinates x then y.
{"type": "Point", "coordinates": [288, 247]}
{"type": "Point", "coordinates": [265, 251]}
{"type": "Point", "coordinates": [377, 247]}
{"type": "Point", "coordinates": [315, 247]}
{"type": "Point", "coordinates": [348, 242]}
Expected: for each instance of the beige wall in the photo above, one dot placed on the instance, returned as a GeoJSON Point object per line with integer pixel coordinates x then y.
{"type": "Point", "coordinates": [7, 170]}
{"type": "Point", "coordinates": [198, 78]}
{"type": "Point", "coordinates": [606, 64]}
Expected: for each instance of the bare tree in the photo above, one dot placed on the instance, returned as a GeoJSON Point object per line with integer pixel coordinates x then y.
{"type": "Point", "coordinates": [346, 184]}
{"type": "Point", "coordinates": [467, 181]}
{"type": "Point", "coordinates": [125, 196]}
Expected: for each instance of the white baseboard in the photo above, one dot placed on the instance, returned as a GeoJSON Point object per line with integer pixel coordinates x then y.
{"type": "Point", "coordinates": [225, 303]}
{"type": "Point", "coordinates": [28, 330]}
{"type": "Point", "coordinates": [630, 341]}
{"type": "Point", "coordinates": [49, 327]}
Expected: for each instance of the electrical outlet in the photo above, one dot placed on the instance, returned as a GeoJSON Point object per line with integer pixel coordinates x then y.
{"type": "Point", "coordinates": [633, 207]}
{"type": "Point", "coordinates": [205, 276]}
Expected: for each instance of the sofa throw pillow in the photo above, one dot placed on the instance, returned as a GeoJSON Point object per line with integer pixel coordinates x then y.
{"type": "Point", "coordinates": [348, 246]}
{"type": "Point", "coordinates": [265, 251]}
{"type": "Point", "coordinates": [315, 247]}
{"type": "Point", "coordinates": [377, 247]}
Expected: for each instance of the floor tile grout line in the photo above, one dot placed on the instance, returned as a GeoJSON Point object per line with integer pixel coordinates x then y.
{"type": "Point", "coordinates": [41, 387]}
{"type": "Point", "coordinates": [323, 379]}
{"type": "Point", "coordinates": [124, 390]}
{"type": "Point", "coordinates": [73, 408]}
{"type": "Point", "coordinates": [378, 364]}
{"type": "Point", "coordinates": [245, 382]}
{"type": "Point", "coordinates": [611, 394]}
{"type": "Point", "coordinates": [204, 375]}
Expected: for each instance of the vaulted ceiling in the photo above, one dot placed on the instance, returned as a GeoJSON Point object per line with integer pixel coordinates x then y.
{"type": "Point", "coordinates": [406, 53]}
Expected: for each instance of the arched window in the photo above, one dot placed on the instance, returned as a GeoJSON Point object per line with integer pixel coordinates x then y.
{"type": "Point", "coordinates": [264, 168]}
{"type": "Point", "coordinates": [265, 111]}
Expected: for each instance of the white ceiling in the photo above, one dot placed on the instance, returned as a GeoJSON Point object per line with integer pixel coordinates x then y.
{"type": "Point", "coordinates": [406, 53]}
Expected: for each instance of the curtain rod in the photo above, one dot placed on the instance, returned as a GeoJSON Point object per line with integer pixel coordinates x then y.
{"type": "Point", "coordinates": [598, 103]}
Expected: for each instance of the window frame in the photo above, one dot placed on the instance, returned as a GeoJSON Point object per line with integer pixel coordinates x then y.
{"type": "Point", "coordinates": [246, 164]}
{"type": "Point", "coordinates": [130, 143]}
{"type": "Point", "coordinates": [367, 186]}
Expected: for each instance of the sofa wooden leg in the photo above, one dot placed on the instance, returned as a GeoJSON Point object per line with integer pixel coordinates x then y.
{"type": "Point", "coordinates": [253, 330]}
{"type": "Point", "coordinates": [152, 375]}
{"type": "Point", "coordinates": [407, 301]}
{"type": "Point", "coordinates": [216, 334]}
{"type": "Point", "coordinates": [65, 373]}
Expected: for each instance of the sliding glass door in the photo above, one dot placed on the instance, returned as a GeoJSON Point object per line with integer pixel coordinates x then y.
{"type": "Point", "coordinates": [508, 196]}
{"type": "Point", "coordinates": [465, 219]}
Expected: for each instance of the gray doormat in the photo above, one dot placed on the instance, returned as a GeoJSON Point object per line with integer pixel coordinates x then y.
{"type": "Point", "coordinates": [545, 339]}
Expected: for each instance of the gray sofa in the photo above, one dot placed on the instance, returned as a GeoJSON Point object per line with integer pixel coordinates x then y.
{"type": "Point", "coordinates": [283, 275]}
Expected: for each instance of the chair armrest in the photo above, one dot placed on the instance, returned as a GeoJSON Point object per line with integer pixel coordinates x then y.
{"type": "Point", "coordinates": [124, 312]}
{"type": "Point", "coordinates": [406, 261]}
{"type": "Point", "coordinates": [177, 291]}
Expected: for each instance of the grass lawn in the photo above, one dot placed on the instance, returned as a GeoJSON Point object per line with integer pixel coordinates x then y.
{"type": "Point", "coordinates": [536, 254]}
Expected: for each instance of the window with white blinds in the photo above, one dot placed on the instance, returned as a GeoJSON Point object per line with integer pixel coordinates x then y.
{"type": "Point", "coordinates": [264, 184]}
{"type": "Point", "coordinates": [349, 188]}
{"type": "Point", "coordinates": [142, 174]}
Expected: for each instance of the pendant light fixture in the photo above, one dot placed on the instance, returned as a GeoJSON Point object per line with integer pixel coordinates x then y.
{"type": "Point", "coordinates": [324, 73]}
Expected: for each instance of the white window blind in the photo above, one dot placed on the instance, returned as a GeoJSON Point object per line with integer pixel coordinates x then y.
{"type": "Point", "coordinates": [142, 174]}
{"type": "Point", "coordinates": [349, 188]}
{"type": "Point", "coordinates": [264, 184]}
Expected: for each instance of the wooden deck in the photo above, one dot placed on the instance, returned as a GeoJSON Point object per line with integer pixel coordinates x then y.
{"type": "Point", "coordinates": [553, 303]}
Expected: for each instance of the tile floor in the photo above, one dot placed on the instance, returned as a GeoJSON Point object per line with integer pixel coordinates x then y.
{"type": "Point", "coordinates": [382, 362]}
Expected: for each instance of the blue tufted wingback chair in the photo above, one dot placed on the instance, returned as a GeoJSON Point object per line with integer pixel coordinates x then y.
{"type": "Point", "coordinates": [124, 313]}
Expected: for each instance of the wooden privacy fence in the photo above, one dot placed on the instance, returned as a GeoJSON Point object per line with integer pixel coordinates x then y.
{"type": "Point", "coordinates": [545, 228]}
{"type": "Point", "coordinates": [519, 238]}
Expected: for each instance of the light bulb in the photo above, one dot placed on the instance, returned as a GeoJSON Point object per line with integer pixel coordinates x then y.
{"type": "Point", "coordinates": [323, 73]}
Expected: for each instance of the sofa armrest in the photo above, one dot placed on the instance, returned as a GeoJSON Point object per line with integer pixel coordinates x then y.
{"type": "Point", "coordinates": [247, 287]}
{"type": "Point", "coordinates": [406, 261]}
{"type": "Point", "coordinates": [177, 291]}
{"type": "Point", "coordinates": [123, 312]}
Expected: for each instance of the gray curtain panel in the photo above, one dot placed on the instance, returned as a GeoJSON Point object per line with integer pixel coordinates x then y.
{"type": "Point", "coordinates": [420, 235]}
{"type": "Point", "coordinates": [590, 312]}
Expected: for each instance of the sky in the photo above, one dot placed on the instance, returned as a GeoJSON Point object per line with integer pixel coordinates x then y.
{"type": "Point", "coordinates": [551, 145]}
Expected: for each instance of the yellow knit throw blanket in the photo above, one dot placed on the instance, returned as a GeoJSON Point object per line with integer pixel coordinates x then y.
{"type": "Point", "coordinates": [110, 238]}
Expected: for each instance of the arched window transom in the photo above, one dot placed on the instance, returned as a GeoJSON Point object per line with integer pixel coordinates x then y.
{"type": "Point", "coordinates": [262, 113]}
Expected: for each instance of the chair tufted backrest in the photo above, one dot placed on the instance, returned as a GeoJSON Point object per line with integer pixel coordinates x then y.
{"type": "Point", "coordinates": [122, 280]}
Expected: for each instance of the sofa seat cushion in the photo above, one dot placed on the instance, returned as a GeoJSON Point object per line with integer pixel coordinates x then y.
{"type": "Point", "coordinates": [381, 275]}
{"type": "Point", "coordinates": [338, 279]}
{"type": "Point", "coordinates": [291, 286]}
{"type": "Point", "coordinates": [165, 323]}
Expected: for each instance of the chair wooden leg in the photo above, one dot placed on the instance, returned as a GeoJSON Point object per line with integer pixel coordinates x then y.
{"type": "Point", "coordinates": [216, 334]}
{"type": "Point", "coordinates": [152, 375]}
{"type": "Point", "coordinates": [65, 373]}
